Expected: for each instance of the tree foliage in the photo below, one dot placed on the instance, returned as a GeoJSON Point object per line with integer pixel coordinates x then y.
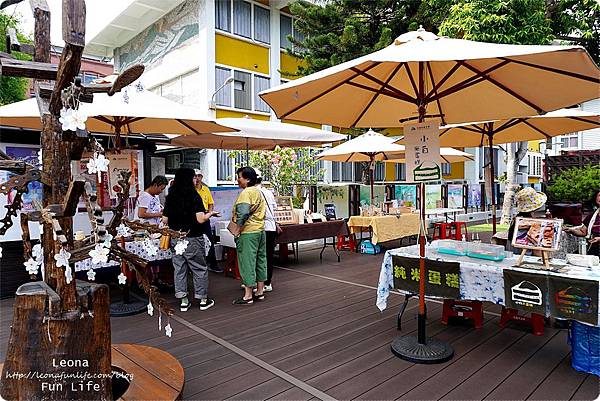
{"type": "Point", "coordinates": [575, 184]}
{"type": "Point", "coordinates": [12, 89]}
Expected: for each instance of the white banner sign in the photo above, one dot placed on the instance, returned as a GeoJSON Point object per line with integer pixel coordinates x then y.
{"type": "Point", "coordinates": [422, 143]}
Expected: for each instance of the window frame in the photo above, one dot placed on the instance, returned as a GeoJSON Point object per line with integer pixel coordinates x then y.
{"type": "Point", "coordinates": [232, 89]}
{"type": "Point", "coordinates": [294, 19]}
{"type": "Point", "coordinates": [252, 39]}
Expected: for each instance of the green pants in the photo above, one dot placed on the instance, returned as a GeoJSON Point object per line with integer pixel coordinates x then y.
{"type": "Point", "coordinates": [252, 257]}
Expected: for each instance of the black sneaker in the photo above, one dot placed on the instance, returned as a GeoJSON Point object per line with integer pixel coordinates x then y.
{"type": "Point", "coordinates": [215, 270]}
{"type": "Point", "coordinates": [242, 301]}
{"type": "Point", "coordinates": [206, 305]}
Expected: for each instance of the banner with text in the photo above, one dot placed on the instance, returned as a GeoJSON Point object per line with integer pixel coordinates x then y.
{"type": "Point", "coordinates": [573, 299]}
{"type": "Point", "coordinates": [443, 278]}
{"type": "Point", "coordinates": [422, 142]}
{"type": "Point", "coordinates": [525, 291]}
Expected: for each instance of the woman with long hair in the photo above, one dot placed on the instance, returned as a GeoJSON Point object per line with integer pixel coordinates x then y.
{"type": "Point", "coordinates": [184, 211]}
{"type": "Point", "coordinates": [590, 227]}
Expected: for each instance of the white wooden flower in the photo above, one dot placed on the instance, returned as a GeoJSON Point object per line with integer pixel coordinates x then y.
{"type": "Point", "coordinates": [150, 309]}
{"type": "Point", "coordinates": [0, 252]}
{"type": "Point", "coordinates": [97, 164]}
{"type": "Point", "coordinates": [91, 275]}
{"type": "Point", "coordinates": [40, 158]}
{"type": "Point", "coordinates": [31, 266]}
{"type": "Point", "coordinates": [68, 274]}
{"type": "Point", "coordinates": [122, 278]}
{"type": "Point", "coordinates": [181, 246]}
{"type": "Point", "coordinates": [62, 258]}
{"type": "Point", "coordinates": [123, 230]}
{"type": "Point", "coordinates": [99, 254]}
{"type": "Point", "coordinates": [107, 240]}
{"type": "Point", "coordinates": [37, 252]}
{"type": "Point", "coordinates": [168, 330]}
{"type": "Point", "coordinates": [151, 249]}
{"type": "Point", "coordinates": [71, 119]}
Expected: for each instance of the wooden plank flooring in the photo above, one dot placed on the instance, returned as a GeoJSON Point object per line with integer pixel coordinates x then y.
{"type": "Point", "coordinates": [320, 326]}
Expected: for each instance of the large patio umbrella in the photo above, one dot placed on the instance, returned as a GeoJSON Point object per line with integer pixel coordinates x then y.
{"type": "Point", "coordinates": [142, 112]}
{"type": "Point", "coordinates": [422, 76]}
{"type": "Point", "coordinates": [447, 155]}
{"type": "Point", "coordinates": [259, 135]}
{"type": "Point", "coordinates": [368, 147]}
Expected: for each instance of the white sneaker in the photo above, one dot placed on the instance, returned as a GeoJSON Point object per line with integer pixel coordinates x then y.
{"type": "Point", "coordinates": [208, 303]}
{"type": "Point", "coordinates": [268, 288]}
{"type": "Point", "coordinates": [185, 304]}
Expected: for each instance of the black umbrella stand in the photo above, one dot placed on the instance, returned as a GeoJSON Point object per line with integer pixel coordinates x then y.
{"type": "Point", "coordinates": [421, 349]}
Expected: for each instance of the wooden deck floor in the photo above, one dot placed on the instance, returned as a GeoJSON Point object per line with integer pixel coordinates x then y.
{"type": "Point", "coordinates": [318, 335]}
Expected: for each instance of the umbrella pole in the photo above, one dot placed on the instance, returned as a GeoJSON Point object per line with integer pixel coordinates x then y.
{"type": "Point", "coordinates": [371, 179]}
{"type": "Point", "coordinates": [490, 134]}
{"type": "Point", "coordinates": [421, 349]}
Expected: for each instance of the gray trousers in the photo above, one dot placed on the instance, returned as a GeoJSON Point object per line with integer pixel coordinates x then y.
{"type": "Point", "coordinates": [193, 259]}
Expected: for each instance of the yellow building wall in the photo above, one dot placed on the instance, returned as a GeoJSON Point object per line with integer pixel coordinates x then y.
{"type": "Point", "coordinates": [239, 53]}
{"type": "Point", "coordinates": [533, 146]}
{"type": "Point", "coordinates": [533, 180]}
{"type": "Point", "coordinates": [457, 171]}
{"type": "Point", "coordinates": [289, 65]}
{"type": "Point", "coordinates": [236, 114]}
{"type": "Point", "coordinates": [390, 171]}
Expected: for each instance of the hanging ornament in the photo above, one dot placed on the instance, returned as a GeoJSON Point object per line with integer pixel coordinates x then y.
{"type": "Point", "coordinates": [122, 279]}
{"type": "Point", "coordinates": [159, 319]}
{"type": "Point", "coordinates": [72, 119]}
{"type": "Point", "coordinates": [99, 254]}
{"type": "Point", "coordinates": [0, 252]}
{"type": "Point", "coordinates": [107, 241]}
{"type": "Point", "coordinates": [40, 159]}
{"type": "Point", "coordinates": [123, 231]}
{"type": "Point", "coordinates": [37, 252]}
{"type": "Point", "coordinates": [62, 258]}
{"type": "Point", "coordinates": [31, 266]}
{"type": "Point", "coordinates": [181, 246]}
{"type": "Point", "coordinates": [91, 275]}
{"type": "Point", "coordinates": [168, 330]}
{"type": "Point", "coordinates": [68, 274]}
{"type": "Point", "coordinates": [150, 309]}
{"type": "Point", "coordinates": [98, 164]}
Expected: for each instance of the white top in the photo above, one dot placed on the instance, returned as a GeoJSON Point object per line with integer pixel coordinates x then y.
{"type": "Point", "coordinates": [271, 205]}
{"type": "Point", "coordinates": [152, 205]}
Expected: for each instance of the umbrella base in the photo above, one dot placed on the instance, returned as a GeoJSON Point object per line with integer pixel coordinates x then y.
{"type": "Point", "coordinates": [434, 351]}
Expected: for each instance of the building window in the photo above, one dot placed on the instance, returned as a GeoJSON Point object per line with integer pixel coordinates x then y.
{"type": "Point", "coordinates": [379, 171]}
{"type": "Point", "coordinates": [347, 171]}
{"type": "Point", "coordinates": [335, 171]}
{"type": "Point", "coordinates": [224, 165]}
{"type": "Point", "coordinates": [262, 24]}
{"type": "Point", "coordinates": [446, 169]}
{"type": "Point", "coordinates": [261, 84]}
{"type": "Point", "coordinates": [570, 141]}
{"type": "Point", "coordinates": [223, 15]}
{"type": "Point", "coordinates": [88, 77]}
{"type": "Point", "coordinates": [182, 89]}
{"type": "Point", "coordinates": [242, 93]}
{"type": "Point", "coordinates": [400, 173]}
{"type": "Point", "coordinates": [285, 30]}
{"type": "Point", "coordinates": [223, 96]}
{"type": "Point", "coordinates": [242, 18]}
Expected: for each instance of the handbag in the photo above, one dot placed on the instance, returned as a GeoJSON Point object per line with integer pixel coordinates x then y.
{"type": "Point", "coordinates": [278, 228]}
{"type": "Point", "coordinates": [234, 228]}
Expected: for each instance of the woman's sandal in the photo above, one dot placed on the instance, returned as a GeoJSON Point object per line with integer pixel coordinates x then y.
{"type": "Point", "coordinates": [257, 297]}
{"type": "Point", "coordinates": [242, 301]}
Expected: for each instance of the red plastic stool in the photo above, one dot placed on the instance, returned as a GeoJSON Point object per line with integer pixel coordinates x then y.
{"type": "Point", "coordinates": [465, 309]}
{"type": "Point", "coordinates": [346, 242]}
{"type": "Point", "coordinates": [441, 230]}
{"type": "Point", "coordinates": [536, 321]}
{"type": "Point", "coordinates": [456, 230]}
{"type": "Point", "coordinates": [231, 263]}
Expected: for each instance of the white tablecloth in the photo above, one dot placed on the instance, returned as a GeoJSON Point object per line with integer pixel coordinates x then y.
{"type": "Point", "coordinates": [480, 280]}
{"type": "Point", "coordinates": [136, 247]}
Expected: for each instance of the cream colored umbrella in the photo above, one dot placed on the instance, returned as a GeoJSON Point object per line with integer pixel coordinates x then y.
{"type": "Point", "coordinates": [131, 111]}
{"type": "Point", "coordinates": [369, 147]}
{"type": "Point", "coordinates": [447, 155]}
{"type": "Point", "coordinates": [259, 135]}
{"type": "Point", "coordinates": [422, 76]}
{"type": "Point", "coordinates": [549, 125]}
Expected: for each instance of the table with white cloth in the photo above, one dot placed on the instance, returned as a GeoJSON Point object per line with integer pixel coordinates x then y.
{"type": "Point", "coordinates": [480, 280]}
{"type": "Point", "coordinates": [136, 247]}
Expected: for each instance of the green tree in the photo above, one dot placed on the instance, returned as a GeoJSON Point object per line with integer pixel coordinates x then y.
{"type": "Point", "coordinates": [575, 184]}
{"type": "Point", "coordinates": [12, 89]}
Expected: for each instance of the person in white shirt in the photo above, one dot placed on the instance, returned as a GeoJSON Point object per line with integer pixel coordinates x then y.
{"type": "Point", "coordinates": [149, 209]}
{"type": "Point", "coordinates": [270, 229]}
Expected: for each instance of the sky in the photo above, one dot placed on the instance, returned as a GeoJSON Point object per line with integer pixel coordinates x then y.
{"type": "Point", "coordinates": [99, 14]}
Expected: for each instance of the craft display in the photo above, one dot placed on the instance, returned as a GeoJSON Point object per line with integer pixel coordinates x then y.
{"type": "Point", "coordinates": [284, 212]}
{"type": "Point", "coordinates": [541, 235]}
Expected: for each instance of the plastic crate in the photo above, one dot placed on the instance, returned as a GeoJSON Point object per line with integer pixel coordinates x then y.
{"type": "Point", "coordinates": [585, 347]}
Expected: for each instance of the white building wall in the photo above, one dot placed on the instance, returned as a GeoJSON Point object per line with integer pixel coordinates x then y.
{"type": "Point", "coordinates": [590, 140]}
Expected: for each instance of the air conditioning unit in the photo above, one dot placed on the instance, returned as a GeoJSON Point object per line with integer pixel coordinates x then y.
{"type": "Point", "coordinates": [173, 161]}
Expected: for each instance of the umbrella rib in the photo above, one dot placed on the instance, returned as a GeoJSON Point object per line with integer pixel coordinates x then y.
{"type": "Point", "coordinates": [386, 92]}
{"type": "Point", "coordinates": [555, 70]}
{"type": "Point", "coordinates": [444, 79]}
{"type": "Point", "coordinates": [509, 124]}
{"type": "Point", "coordinates": [380, 82]}
{"type": "Point", "coordinates": [505, 88]}
{"type": "Point", "coordinates": [104, 119]}
{"type": "Point", "coordinates": [323, 93]}
{"type": "Point", "coordinates": [437, 100]}
{"type": "Point", "coordinates": [188, 126]}
{"type": "Point", "coordinates": [536, 129]}
{"type": "Point", "coordinates": [412, 79]}
{"type": "Point", "coordinates": [376, 95]}
{"type": "Point", "coordinates": [475, 79]}
{"type": "Point", "coordinates": [583, 120]}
